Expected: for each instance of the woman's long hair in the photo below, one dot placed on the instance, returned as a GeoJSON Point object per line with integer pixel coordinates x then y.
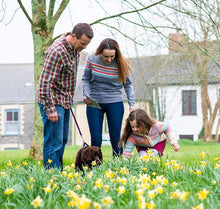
{"type": "Point", "coordinates": [144, 123]}
{"type": "Point", "coordinates": [124, 67]}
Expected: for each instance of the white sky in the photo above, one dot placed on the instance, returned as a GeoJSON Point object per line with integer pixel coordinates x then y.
{"type": "Point", "coordinates": [16, 43]}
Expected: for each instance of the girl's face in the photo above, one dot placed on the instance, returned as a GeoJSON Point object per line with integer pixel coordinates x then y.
{"type": "Point", "coordinates": [108, 55]}
{"type": "Point", "coordinates": [134, 127]}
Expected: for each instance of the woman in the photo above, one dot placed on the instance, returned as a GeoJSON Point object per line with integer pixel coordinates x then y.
{"type": "Point", "coordinates": [106, 72]}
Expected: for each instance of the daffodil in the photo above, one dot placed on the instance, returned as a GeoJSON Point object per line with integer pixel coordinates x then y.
{"type": "Point", "coordinates": [216, 166]}
{"type": "Point", "coordinates": [203, 154]}
{"type": "Point", "coordinates": [97, 205]}
{"type": "Point", "coordinates": [200, 206]}
{"type": "Point", "coordinates": [25, 163]}
{"type": "Point", "coordinates": [107, 201]}
{"type": "Point", "coordinates": [174, 184]}
{"type": "Point", "coordinates": [151, 194]}
{"type": "Point", "coordinates": [198, 172]}
{"type": "Point", "coordinates": [99, 183]}
{"type": "Point", "coordinates": [37, 202]}
{"type": "Point", "coordinates": [72, 194]}
{"type": "Point", "coordinates": [106, 187]}
{"type": "Point", "coordinates": [47, 189]}
{"type": "Point", "coordinates": [3, 174]}
{"type": "Point", "coordinates": [9, 164]}
{"type": "Point", "coordinates": [203, 163]}
{"type": "Point", "coordinates": [124, 170]}
{"type": "Point", "coordinates": [78, 187]}
{"type": "Point", "coordinates": [121, 190]}
{"type": "Point", "coordinates": [50, 161]}
{"type": "Point", "coordinates": [109, 174]}
{"type": "Point", "coordinates": [9, 191]}
{"type": "Point", "coordinates": [202, 194]}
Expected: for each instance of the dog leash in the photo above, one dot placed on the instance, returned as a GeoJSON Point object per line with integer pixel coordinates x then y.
{"type": "Point", "coordinates": [84, 143]}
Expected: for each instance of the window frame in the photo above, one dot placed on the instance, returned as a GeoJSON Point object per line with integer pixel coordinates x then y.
{"type": "Point", "coordinates": [7, 123]}
{"type": "Point", "coordinates": [190, 102]}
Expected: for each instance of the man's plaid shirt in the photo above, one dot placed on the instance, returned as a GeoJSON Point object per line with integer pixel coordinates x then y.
{"type": "Point", "coordinates": [58, 78]}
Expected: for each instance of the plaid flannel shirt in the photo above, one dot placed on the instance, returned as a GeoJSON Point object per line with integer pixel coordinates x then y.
{"type": "Point", "coordinates": [57, 82]}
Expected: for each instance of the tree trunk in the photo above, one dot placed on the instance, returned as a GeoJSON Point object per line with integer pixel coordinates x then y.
{"type": "Point", "coordinates": [42, 31]}
{"type": "Point", "coordinates": [217, 131]}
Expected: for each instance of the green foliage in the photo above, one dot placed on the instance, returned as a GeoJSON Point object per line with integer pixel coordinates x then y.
{"type": "Point", "coordinates": [122, 183]}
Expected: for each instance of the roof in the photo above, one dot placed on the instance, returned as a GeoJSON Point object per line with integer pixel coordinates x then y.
{"type": "Point", "coordinates": [16, 83]}
{"type": "Point", "coordinates": [147, 72]}
{"type": "Point", "coordinates": [170, 70]}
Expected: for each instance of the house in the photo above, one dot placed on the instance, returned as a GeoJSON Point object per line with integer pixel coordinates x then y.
{"type": "Point", "coordinates": [166, 81]}
{"type": "Point", "coordinates": [174, 87]}
{"type": "Point", "coordinates": [16, 106]}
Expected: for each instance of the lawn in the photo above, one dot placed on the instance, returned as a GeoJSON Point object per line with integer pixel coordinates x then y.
{"type": "Point", "coordinates": [189, 152]}
{"type": "Point", "coordinates": [188, 179]}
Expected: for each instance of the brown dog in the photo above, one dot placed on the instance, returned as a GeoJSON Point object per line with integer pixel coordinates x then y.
{"type": "Point", "coordinates": [86, 155]}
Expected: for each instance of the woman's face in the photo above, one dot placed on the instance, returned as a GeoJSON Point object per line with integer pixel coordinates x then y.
{"type": "Point", "coordinates": [134, 127]}
{"type": "Point", "coordinates": [108, 55]}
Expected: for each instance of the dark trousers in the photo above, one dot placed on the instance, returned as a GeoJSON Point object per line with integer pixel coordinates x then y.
{"type": "Point", "coordinates": [114, 114]}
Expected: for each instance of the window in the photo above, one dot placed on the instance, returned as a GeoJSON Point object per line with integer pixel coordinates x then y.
{"type": "Point", "coordinates": [189, 102]}
{"type": "Point", "coordinates": [11, 122]}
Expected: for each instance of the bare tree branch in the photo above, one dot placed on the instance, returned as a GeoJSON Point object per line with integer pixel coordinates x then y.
{"type": "Point", "coordinates": [60, 10]}
{"type": "Point", "coordinates": [25, 11]}
{"type": "Point", "coordinates": [124, 13]}
{"type": "Point", "coordinates": [51, 8]}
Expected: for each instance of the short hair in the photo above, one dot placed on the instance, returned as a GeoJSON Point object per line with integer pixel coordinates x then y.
{"type": "Point", "coordinates": [82, 28]}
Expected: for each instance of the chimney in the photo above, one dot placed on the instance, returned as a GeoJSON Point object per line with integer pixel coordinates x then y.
{"type": "Point", "coordinates": [176, 42]}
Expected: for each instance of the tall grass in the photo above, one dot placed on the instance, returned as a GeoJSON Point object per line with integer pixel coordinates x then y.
{"type": "Point", "coordinates": [186, 179]}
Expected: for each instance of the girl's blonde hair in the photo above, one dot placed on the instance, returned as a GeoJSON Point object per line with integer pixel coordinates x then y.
{"type": "Point", "coordinates": [144, 123]}
{"type": "Point", "coordinates": [124, 67]}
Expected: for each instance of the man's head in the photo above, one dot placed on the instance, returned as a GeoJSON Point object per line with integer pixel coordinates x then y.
{"type": "Point", "coordinates": [81, 36]}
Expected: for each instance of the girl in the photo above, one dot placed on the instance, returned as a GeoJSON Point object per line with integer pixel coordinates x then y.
{"type": "Point", "coordinates": [146, 133]}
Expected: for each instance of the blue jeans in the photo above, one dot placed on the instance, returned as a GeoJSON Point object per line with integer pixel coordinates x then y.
{"type": "Point", "coordinates": [114, 114]}
{"type": "Point", "coordinates": [55, 137]}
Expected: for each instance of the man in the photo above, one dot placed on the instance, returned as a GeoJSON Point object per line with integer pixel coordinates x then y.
{"type": "Point", "coordinates": [56, 88]}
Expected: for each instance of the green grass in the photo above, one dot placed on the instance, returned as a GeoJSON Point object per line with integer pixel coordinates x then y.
{"type": "Point", "coordinates": [189, 152]}
{"type": "Point", "coordinates": [183, 180]}
{"type": "Point", "coordinates": [180, 180]}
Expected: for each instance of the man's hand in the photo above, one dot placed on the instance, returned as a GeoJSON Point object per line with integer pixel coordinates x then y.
{"type": "Point", "coordinates": [53, 117]}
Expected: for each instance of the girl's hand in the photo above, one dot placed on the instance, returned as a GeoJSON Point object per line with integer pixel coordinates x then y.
{"type": "Point", "coordinates": [175, 147]}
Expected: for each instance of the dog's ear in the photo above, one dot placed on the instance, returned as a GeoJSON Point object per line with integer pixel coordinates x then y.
{"type": "Point", "coordinates": [87, 155]}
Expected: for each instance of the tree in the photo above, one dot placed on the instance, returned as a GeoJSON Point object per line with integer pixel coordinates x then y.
{"type": "Point", "coordinates": [199, 21]}
{"type": "Point", "coordinates": [44, 19]}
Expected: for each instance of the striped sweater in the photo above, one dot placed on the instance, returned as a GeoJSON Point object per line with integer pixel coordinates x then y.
{"type": "Point", "coordinates": [159, 132]}
{"type": "Point", "coordinates": [100, 81]}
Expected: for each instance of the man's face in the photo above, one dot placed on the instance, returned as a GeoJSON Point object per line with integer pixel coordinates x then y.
{"type": "Point", "coordinates": [80, 44]}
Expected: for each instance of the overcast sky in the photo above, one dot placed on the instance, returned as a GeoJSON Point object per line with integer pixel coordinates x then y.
{"type": "Point", "coordinates": [16, 43]}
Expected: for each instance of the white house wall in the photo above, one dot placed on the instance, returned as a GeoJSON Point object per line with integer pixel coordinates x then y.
{"type": "Point", "coordinates": [187, 124]}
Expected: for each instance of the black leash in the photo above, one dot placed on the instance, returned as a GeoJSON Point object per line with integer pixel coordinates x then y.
{"type": "Point", "coordinates": [84, 143]}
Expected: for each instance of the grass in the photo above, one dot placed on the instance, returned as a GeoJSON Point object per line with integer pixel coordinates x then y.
{"type": "Point", "coordinates": [189, 152]}
{"type": "Point", "coordinates": [183, 180]}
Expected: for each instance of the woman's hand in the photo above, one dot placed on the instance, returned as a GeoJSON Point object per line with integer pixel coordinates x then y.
{"type": "Point", "coordinates": [131, 108]}
{"type": "Point", "coordinates": [87, 101]}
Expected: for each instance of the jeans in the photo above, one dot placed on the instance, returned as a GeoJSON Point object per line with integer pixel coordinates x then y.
{"type": "Point", "coordinates": [55, 137]}
{"type": "Point", "coordinates": [114, 114]}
